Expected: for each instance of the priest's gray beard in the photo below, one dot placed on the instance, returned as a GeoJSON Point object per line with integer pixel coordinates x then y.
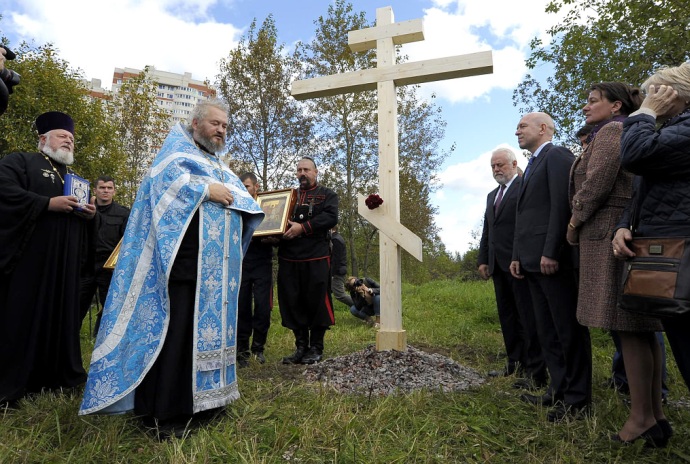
{"type": "Point", "coordinates": [214, 146]}
{"type": "Point", "coordinates": [60, 155]}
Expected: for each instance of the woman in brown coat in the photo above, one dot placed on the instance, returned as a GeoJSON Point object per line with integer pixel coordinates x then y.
{"type": "Point", "coordinates": [600, 190]}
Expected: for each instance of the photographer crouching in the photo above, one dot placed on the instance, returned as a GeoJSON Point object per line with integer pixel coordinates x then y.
{"type": "Point", "coordinates": [366, 295]}
{"type": "Point", "coordinates": [8, 78]}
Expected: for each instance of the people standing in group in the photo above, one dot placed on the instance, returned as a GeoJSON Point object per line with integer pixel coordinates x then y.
{"type": "Point", "coordinates": [542, 256]}
{"type": "Point", "coordinates": [304, 273]}
{"type": "Point", "coordinates": [166, 347]}
{"type": "Point", "coordinates": [600, 190]}
{"type": "Point", "coordinates": [513, 298]}
{"type": "Point", "coordinates": [111, 220]}
{"type": "Point", "coordinates": [366, 297]}
{"type": "Point", "coordinates": [256, 291]}
{"type": "Point", "coordinates": [654, 146]}
{"type": "Point", "coordinates": [45, 236]}
{"type": "Point", "coordinates": [339, 268]}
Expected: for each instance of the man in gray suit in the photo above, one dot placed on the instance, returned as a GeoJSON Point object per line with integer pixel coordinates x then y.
{"type": "Point", "coordinates": [513, 298]}
{"type": "Point", "coordinates": [542, 256]}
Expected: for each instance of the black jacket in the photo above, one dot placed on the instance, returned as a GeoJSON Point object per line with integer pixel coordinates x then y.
{"type": "Point", "coordinates": [317, 210]}
{"type": "Point", "coordinates": [543, 211]}
{"type": "Point", "coordinates": [111, 221]}
{"type": "Point", "coordinates": [361, 302]}
{"type": "Point", "coordinates": [496, 244]}
{"type": "Point", "coordinates": [338, 255]}
{"type": "Point", "coordinates": [662, 159]}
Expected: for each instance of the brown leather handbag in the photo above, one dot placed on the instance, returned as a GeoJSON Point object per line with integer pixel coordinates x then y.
{"type": "Point", "coordinates": [656, 282]}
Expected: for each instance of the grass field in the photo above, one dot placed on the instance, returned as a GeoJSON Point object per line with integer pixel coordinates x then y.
{"type": "Point", "coordinates": [281, 418]}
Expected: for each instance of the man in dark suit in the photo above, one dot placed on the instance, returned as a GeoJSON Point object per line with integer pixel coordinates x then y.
{"type": "Point", "coordinates": [542, 256]}
{"type": "Point", "coordinates": [513, 298]}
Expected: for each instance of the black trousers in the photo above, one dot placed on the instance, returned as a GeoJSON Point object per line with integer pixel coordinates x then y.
{"type": "Point", "coordinates": [166, 391]}
{"type": "Point", "coordinates": [565, 343]}
{"type": "Point", "coordinates": [677, 330]}
{"type": "Point", "coordinates": [99, 281]}
{"type": "Point", "coordinates": [518, 325]}
{"type": "Point", "coordinates": [257, 284]}
{"type": "Point", "coordinates": [304, 294]}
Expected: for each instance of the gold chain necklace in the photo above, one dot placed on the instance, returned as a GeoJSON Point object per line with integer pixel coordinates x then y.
{"type": "Point", "coordinates": [54, 168]}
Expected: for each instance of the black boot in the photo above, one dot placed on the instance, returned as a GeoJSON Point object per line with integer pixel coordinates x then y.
{"type": "Point", "coordinates": [312, 356]}
{"type": "Point", "coordinates": [258, 352]}
{"type": "Point", "coordinates": [301, 342]}
{"type": "Point", "coordinates": [243, 359]}
{"type": "Point", "coordinates": [315, 352]}
{"type": "Point", "coordinates": [243, 353]}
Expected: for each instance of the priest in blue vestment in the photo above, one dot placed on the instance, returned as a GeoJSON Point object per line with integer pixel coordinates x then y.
{"type": "Point", "coordinates": [167, 340]}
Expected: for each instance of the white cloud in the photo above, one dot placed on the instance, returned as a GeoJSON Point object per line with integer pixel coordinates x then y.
{"type": "Point", "coordinates": [457, 27]}
{"type": "Point", "coordinates": [462, 199]}
{"type": "Point", "coordinates": [172, 35]}
{"type": "Point", "coordinates": [192, 35]}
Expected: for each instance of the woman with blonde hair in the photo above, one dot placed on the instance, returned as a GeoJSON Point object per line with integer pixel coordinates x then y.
{"type": "Point", "coordinates": [656, 147]}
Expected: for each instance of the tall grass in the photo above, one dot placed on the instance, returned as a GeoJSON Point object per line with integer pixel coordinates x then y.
{"type": "Point", "coordinates": [280, 418]}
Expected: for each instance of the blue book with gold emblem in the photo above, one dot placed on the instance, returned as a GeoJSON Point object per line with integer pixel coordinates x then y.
{"type": "Point", "coordinates": [77, 187]}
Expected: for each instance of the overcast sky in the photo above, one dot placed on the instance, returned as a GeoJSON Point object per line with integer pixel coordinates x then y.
{"type": "Point", "coordinates": [192, 36]}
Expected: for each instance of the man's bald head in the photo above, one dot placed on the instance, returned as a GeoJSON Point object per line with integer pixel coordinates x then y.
{"type": "Point", "coordinates": [533, 130]}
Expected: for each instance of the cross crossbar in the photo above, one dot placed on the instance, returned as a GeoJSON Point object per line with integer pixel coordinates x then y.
{"type": "Point", "coordinates": [416, 72]}
{"type": "Point", "coordinates": [401, 33]}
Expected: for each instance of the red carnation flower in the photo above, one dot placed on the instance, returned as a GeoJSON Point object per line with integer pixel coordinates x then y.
{"type": "Point", "coordinates": [373, 201]}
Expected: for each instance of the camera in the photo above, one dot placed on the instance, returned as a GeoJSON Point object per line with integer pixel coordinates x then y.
{"type": "Point", "coordinates": [359, 283]}
{"type": "Point", "coordinates": [9, 77]}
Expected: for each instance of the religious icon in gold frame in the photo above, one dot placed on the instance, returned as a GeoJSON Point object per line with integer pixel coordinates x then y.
{"type": "Point", "coordinates": [112, 259]}
{"type": "Point", "coordinates": [277, 205]}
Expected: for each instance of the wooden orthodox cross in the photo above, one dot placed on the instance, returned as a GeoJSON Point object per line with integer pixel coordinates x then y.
{"type": "Point", "coordinates": [392, 235]}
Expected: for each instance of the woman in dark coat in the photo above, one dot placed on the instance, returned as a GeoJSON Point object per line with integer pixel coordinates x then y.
{"type": "Point", "coordinates": [661, 157]}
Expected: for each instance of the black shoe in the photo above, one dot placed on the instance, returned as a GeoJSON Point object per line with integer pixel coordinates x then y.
{"type": "Point", "coordinates": [207, 415]}
{"type": "Point", "coordinates": [296, 357]}
{"type": "Point", "coordinates": [505, 372]}
{"type": "Point", "coordinates": [653, 438]}
{"type": "Point", "coordinates": [562, 411]}
{"type": "Point", "coordinates": [164, 430]}
{"type": "Point", "coordinates": [259, 355]}
{"type": "Point", "coordinates": [312, 356]}
{"type": "Point", "coordinates": [538, 400]}
{"type": "Point", "coordinates": [9, 404]}
{"type": "Point", "coordinates": [243, 359]}
{"type": "Point", "coordinates": [529, 384]}
{"type": "Point", "coordinates": [665, 427]}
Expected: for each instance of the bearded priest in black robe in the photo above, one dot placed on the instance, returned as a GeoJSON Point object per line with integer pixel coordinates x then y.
{"type": "Point", "coordinates": [42, 237]}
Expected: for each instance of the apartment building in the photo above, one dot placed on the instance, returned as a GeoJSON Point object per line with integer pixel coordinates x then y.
{"type": "Point", "coordinates": [177, 94]}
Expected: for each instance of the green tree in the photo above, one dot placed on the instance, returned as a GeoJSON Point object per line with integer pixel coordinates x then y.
{"type": "Point", "coordinates": [141, 125]}
{"type": "Point", "coordinates": [601, 40]}
{"type": "Point", "coordinates": [48, 83]}
{"type": "Point", "coordinates": [348, 134]}
{"type": "Point", "coordinates": [346, 122]}
{"type": "Point", "coordinates": [268, 130]}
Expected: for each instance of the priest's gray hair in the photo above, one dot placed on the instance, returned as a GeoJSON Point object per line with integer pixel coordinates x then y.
{"type": "Point", "coordinates": [201, 109]}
